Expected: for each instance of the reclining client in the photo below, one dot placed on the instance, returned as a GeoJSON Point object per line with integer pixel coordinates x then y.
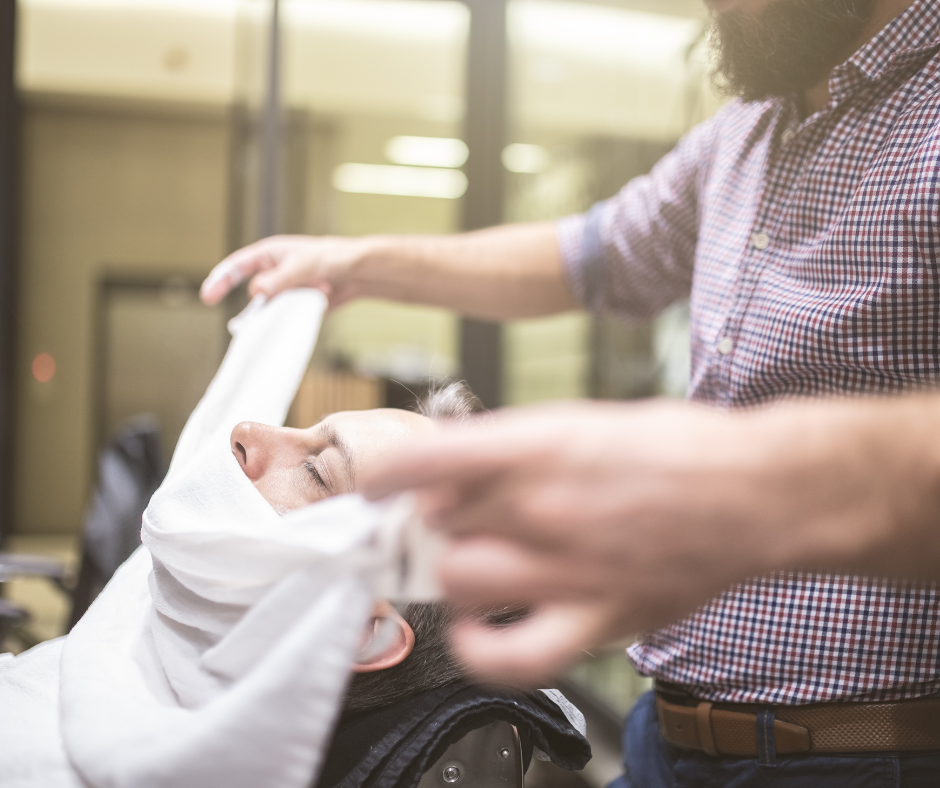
{"type": "Point", "coordinates": [293, 468]}
{"type": "Point", "coordinates": [412, 679]}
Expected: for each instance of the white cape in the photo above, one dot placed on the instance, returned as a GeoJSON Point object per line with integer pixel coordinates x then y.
{"type": "Point", "coordinates": [219, 653]}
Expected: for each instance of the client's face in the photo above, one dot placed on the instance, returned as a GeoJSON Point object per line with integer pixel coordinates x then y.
{"type": "Point", "coordinates": [292, 468]}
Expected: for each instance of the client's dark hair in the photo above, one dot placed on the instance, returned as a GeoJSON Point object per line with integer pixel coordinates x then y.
{"type": "Point", "coordinates": [430, 663]}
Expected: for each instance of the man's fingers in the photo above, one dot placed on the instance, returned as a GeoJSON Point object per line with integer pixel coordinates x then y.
{"type": "Point", "coordinates": [235, 268]}
{"type": "Point", "coordinates": [293, 271]}
{"type": "Point", "coordinates": [460, 456]}
{"type": "Point", "coordinates": [516, 441]}
{"type": "Point", "coordinates": [502, 505]}
{"type": "Point", "coordinates": [489, 572]}
{"type": "Point", "coordinates": [219, 282]}
{"type": "Point", "coordinates": [532, 652]}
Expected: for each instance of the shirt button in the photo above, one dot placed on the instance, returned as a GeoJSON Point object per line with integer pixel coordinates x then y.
{"type": "Point", "coordinates": [726, 346]}
{"type": "Point", "coordinates": [787, 136]}
{"type": "Point", "coordinates": [761, 241]}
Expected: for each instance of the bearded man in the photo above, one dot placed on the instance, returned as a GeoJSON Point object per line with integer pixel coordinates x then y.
{"type": "Point", "coordinates": [802, 220]}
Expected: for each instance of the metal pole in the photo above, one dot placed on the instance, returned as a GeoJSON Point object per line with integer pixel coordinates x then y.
{"type": "Point", "coordinates": [485, 135]}
{"type": "Point", "coordinates": [9, 192]}
{"type": "Point", "coordinates": [270, 181]}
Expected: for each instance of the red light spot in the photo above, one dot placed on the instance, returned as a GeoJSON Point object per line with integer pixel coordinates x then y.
{"type": "Point", "coordinates": [44, 367]}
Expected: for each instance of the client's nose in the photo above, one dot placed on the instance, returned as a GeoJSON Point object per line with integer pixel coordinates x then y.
{"type": "Point", "coordinates": [254, 446]}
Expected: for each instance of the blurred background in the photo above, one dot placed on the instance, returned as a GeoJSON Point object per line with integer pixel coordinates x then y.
{"type": "Point", "coordinates": [149, 138]}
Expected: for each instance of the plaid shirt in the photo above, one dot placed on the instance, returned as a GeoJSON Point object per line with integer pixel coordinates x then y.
{"type": "Point", "coordinates": [810, 251]}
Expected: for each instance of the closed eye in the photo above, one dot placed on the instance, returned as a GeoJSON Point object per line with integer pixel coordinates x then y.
{"type": "Point", "coordinates": [312, 470]}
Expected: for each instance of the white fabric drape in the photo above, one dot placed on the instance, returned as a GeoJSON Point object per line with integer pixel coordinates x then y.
{"type": "Point", "coordinates": [219, 653]}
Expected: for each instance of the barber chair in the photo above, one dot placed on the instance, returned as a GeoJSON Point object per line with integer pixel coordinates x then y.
{"type": "Point", "coordinates": [130, 469]}
{"type": "Point", "coordinates": [12, 565]}
{"type": "Point", "coordinates": [459, 735]}
{"type": "Point", "coordinates": [488, 757]}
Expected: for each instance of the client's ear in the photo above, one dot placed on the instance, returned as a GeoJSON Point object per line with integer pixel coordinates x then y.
{"type": "Point", "coordinates": [387, 640]}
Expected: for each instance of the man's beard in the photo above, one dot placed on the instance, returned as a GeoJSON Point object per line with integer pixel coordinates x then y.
{"type": "Point", "coordinates": [787, 48]}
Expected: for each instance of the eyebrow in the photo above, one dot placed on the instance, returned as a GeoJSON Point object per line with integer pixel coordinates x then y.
{"type": "Point", "coordinates": [334, 439]}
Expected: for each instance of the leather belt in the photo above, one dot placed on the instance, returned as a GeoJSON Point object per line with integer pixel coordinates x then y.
{"type": "Point", "coordinates": [733, 728]}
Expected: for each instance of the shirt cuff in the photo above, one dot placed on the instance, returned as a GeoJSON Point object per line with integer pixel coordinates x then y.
{"type": "Point", "coordinates": [580, 239]}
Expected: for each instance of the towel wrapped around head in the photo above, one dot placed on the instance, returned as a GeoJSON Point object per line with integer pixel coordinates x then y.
{"type": "Point", "coordinates": [220, 652]}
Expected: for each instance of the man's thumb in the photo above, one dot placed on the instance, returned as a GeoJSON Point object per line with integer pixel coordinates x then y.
{"type": "Point", "coordinates": [532, 652]}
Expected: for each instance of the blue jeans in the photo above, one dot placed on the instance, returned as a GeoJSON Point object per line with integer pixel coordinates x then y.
{"type": "Point", "coordinates": [652, 763]}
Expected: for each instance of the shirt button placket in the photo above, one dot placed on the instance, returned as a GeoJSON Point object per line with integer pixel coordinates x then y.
{"type": "Point", "coordinates": [760, 241]}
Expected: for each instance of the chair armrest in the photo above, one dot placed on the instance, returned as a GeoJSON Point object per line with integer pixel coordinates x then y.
{"type": "Point", "coordinates": [11, 615]}
{"type": "Point", "coordinates": [16, 565]}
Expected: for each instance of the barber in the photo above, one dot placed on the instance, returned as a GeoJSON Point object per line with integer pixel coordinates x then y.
{"type": "Point", "coordinates": [803, 222]}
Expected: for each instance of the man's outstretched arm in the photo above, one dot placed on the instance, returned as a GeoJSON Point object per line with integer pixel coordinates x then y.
{"type": "Point", "coordinates": [631, 254]}
{"type": "Point", "coordinates": [609, 520]}
{"type": "Point", "coordinates": [514, 271]}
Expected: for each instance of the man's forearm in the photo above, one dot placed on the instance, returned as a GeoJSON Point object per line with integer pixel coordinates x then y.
{"type": "Point", "coordinates": [856, 486]}
{"type": "Point", "coordinates": [501, 273]}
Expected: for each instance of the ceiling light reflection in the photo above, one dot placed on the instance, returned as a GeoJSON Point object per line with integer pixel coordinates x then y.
{"type": "Point", "coordinates": [400, 181]}
{"type": "Point", "coordinates": [523, 158]}
{"type": "Point", "coordinates": [427, 151]}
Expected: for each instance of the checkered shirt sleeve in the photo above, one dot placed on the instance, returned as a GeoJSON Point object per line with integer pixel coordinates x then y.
{"type": "Point", "coordinates": [633, 254]}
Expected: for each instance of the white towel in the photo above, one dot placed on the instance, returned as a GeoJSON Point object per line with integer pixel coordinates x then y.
{"type": "Point", "coordinates": [219, 653]}
{"type": "Point", "coordinates": [31, 753]}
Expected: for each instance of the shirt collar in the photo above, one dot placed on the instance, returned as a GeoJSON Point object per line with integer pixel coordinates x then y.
{"type": "Point", "coordinates": [902, 41]}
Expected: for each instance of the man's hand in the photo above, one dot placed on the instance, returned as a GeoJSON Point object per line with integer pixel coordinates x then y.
{"type": "Point", "coordinates": [609, 520]}
{"type": "Point", "coordinates": [284, 261]}
{"type": "Point", "coordinates": [502, 273]}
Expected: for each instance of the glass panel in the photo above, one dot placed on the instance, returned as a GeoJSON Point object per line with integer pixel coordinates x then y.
{"type": "Point", "coordinates": [161, 347]}
{"type": "Point", "coordinates": [374, 95]}
{"type": "Point", "coordinates": [598, 93]}
{"type": "Point", "coordinates": [128, 172]}
{"type": "Point", "coordinates": [142, 158]}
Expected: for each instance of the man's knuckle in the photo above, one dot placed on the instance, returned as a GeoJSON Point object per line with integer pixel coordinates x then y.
{"type": "Point", "coordinates": [523, 509]}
